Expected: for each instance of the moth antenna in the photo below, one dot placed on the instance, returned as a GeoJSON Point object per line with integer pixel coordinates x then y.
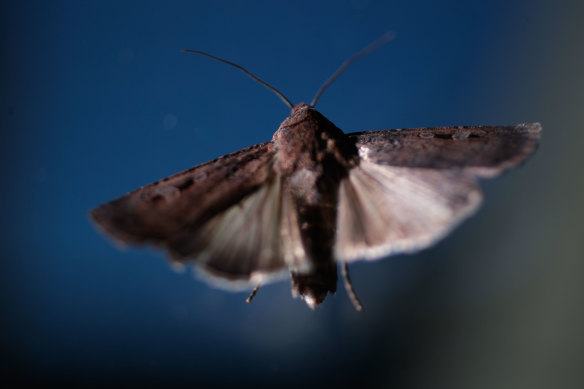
{"type": "Point", "coordinates": [349, 287]}
{"type": "Point", "coordinates": [253, 293]}
{"type": "Point", "coordinates": [277, 92]}
{"type": "Point", "coordinates": [367, 50]}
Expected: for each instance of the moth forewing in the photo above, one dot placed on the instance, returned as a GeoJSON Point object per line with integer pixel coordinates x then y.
{"type": "Point", "coordinates": [159, 212]}
{"type": "Point", "coordinates": [485, 151]}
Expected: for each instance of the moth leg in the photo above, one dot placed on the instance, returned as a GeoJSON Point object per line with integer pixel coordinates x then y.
{"type": "Point", "coordinates": [349, 287]}
{"type": "Point", "coordinates": [253, 293]}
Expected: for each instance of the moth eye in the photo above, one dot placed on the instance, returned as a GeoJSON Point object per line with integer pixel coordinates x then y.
{"type": "Point", "coordinates": [461, 135]}
{"type": "Point", "coordinates": [426, 135]}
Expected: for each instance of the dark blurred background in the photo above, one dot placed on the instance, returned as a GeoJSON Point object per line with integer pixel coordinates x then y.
{"type": "Point", "coordinates": [97, 100]}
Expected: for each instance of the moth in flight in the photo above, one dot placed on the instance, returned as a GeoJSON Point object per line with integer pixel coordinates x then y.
{"type": "Point", "coordinates": [314, 198]}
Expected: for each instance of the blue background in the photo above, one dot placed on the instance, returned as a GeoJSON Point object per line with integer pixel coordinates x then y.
{"type": "Point", "coordinates": [97, 100]}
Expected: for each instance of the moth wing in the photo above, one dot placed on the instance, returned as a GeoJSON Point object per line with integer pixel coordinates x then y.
{"type": "Point", "coordinates": [295, 254]}
{"type": "Point", "coordinates": [484, 151]}
{"type": "Point", "coordinates": [413, 186]}
{"type": "Point", "coordinates": [224, 215]}
{"type": "Point", "coordinates": [241, 246]}
{"type": "Point", "coordinates": [155, 213]}
{"type": "Point", "coordinates": [385, 210]}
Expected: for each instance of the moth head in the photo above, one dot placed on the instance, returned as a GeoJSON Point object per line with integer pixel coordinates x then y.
{"type": "Point", "coordinates": [300, 107]}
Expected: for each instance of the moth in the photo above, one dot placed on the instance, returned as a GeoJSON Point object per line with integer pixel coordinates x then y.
{"type": "Point", "coordinates": [314, 198]}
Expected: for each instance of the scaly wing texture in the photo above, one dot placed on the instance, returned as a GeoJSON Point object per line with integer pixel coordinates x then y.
{"type": "Point", "coordinates": [224, 214]}
{"type": "Point", "coordinates": [293, 249]}
{"type": "Point", "coordinates": [154, 213]}
{"type": "Point", "coordinates": [385, 209]}
{"type": "Point", "coordinates": [241, 246]}
{"type": "Point", "coordinates": [484, 151]}
{"type": "Point", "coordinates": [413, 186]}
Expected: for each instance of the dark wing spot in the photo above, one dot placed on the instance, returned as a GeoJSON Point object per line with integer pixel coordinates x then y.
{"type": "Point", "coordinates": [185, 184]}
{"type": "Point", "coordinates": [156, 198]}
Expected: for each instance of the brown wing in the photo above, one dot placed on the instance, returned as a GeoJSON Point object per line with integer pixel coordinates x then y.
{"type": "Point", "coordinates": [484, 150]}
{"type": "Point", "coordinates": [155, 212]}
{"type": "Point", "coordinates": [225, 214]}
{"type": "Point", "coordinates": [413, 186]}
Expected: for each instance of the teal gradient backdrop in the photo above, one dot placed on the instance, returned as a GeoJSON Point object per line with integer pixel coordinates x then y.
{"type": "Point", "coordinates": [97, 100]}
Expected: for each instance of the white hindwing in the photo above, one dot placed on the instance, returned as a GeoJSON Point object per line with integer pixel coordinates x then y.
{"type": "Point", "coordinates": [242, 246]}
{"type": "Point", "coordinates": [386, 209]}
